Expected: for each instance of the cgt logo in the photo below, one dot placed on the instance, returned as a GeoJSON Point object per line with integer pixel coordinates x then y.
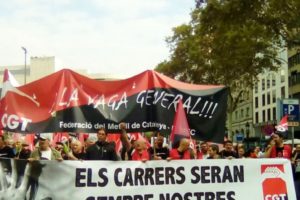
{"type": "Point", "coordinates": [274, 187]}
{"type": "Point", "coordinates": [14, 121]}
{"type": "Point", "coordinates": [276, 197]}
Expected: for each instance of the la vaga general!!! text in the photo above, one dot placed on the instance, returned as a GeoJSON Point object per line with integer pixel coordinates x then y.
{"type": "Point", "coordinates": [144, 98]}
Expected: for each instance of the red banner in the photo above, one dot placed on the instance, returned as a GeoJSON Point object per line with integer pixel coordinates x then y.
{"type": "Point", "coordinates": [69, 102]}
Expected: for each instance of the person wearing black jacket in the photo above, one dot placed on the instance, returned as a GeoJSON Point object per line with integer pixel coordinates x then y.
{"type": "Point", "coordinates": [5, 151]}
{"type": "Point", "coordinates": [102, 150]}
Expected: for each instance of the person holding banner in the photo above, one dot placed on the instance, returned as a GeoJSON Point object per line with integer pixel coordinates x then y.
{"type": "Point", "coordinates": [44, 151]}
{"type": "Point", "coordinates": [183, 152]}
{"type": "Point", "coordinates": [5, 151]}
{"type": "Point", "coordinates": [23, 150]}
{"type": "Point", "coordinates": [140, 151]}
{"type": "Point", "coordinates": [228, 151]}
{"type": "Point", "coordinates": [159, 152]}
{"type": "Point", "coordinates": [202, 151]}
{"type": "Point", "coordinates": [213, 152]}
{"type": "Point", "coordinates": [76, 152]}
{"type": "Point", "coordinates": [102, 150]}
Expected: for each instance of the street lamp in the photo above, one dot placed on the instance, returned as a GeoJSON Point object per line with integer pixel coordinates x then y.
{"type": "Point", "coordinates": [247, 125]}
{"type": "Point", "coordinates": [25, 70]}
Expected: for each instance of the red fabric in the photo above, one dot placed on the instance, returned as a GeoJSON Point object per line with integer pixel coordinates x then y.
{"type": "Point", "coordinates": [143, 156]}
{"type": "Point", "coordinates": [58, 89]}
{"type": "Point", "coordinates": [199, 155]}
{"type": "Point", "coordinates": [59, 137]}
{"type": "Point", "coordinates": [174, 154]}
{"type": "Point", "coordinates": [180, 124]}
{"type": "Point", "coordinates": [283, 124]}
{"type": "Point", "coordinates": [29, 138]}
{"type": "Point", "coordinates": [253, 155]}
{"type": "Point", "coordinates": [287, 152]}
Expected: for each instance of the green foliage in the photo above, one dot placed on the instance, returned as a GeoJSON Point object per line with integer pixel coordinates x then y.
{"type": "Point", "coordinates": [230, 42]}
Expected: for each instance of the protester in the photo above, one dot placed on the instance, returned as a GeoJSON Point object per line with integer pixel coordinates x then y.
{"type": "Point", "coordinates": [202, 153]}
{"type": "Point", "coordinates": [296, 162]}
{"type": "Point", "coordinates": [127, 145]}
{"type": "Point", "coordinates": [140, 151]}
{"type": "Point", "coordinates": [228, 151]}
{"type": "Point", "coordinates": [102, 150]}
{"type": "Point", "coordinates": [251, 153]}
{"type": "Point", "coordinates": [159, 152]}
{"type": "Point", "coordinates": [23, 151]}
{"type": "Point", "coordinates": [62, 148]}
{"type": "Point", "coordinates": [213, 152]}
{"type": "Point", "coordinates": [77, 151]}
{"type": "Point", "coordinates": [183, 152]}
{"type": "Point", "coordinates": [277, 148]}
{"type": "Point", "coordinates": [241, 152]}
{"type": "Point", "coordinates": [12, 144]}
{"type": "Point", "coordinates": [44, 151]}
{"type": "Point", "coordinates": [89, 141]}
{"type": "Point", "coordinates": [258, 152]}
{"type": "Point", "coordinates": [5, 151]}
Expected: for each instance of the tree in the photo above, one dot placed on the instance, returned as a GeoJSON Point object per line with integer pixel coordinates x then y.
{"type": "Point", "coordinates": [230, 42]}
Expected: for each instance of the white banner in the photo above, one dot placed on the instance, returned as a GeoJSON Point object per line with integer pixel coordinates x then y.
{"type": "Point", "coordinates": [237, 179]}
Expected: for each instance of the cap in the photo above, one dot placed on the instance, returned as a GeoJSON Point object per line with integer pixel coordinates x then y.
{"type": "Point", "coordinates": [43, 137]}
{"type": "Point", "coordinates": [279, 133]}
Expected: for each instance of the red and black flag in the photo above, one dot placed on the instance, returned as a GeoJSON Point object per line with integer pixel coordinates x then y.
{"type": "Point", "coordinates": [69, 102]}
{"type": "Point", "coordinates": [181, 127]}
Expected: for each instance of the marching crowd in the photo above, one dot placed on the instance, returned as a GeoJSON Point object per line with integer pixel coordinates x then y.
{"type": "Point", "coordinates": [101, 149]}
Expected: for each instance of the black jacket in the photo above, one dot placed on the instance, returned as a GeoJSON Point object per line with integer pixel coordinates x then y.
{"type": "Point", "coordinates": [101, 151]}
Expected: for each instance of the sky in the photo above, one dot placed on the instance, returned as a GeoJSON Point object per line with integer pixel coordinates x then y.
{"type": "Point", "coordinates": [102, 36]}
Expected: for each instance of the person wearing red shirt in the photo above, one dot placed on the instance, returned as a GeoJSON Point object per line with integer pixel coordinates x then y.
{"type": "Point", "coordinates": [202, 153]}
{"type": "Point", "coordinates": [183, 152]}
{"type": "Point", "coordinates": [277, 148]}
{"type": "Point", "coordinates": [140, 151]}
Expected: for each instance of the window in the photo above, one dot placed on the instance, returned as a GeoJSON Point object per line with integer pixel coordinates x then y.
{"type": "Point", "coordinates": [282, 92]}
{"type": "Point", "coordinates": [274, 113]}
{"type": "Point", "coordinates": [294, 60]}
{"type": "Point", "coordinates": [256, 88]}
{"type": "Point", "coordinates": [293, 78]}
{"type": "Point", "coordinates": [263, 84]}
{"type": "Point", "coordinates": [263, 100]}
{"type": "Point", "coordinates": [269, 114]}
{"type": "Point", "coordinates": [247, 111]}
{"type": "Point", "coordinates": [264, 115]}
{"type": "Point", "coordinates": [256, 102]}
{"type": "Point", "coordinates": [256, 117]}
{"type": "Point", "coordinates": [273, 80]}
{"type": "Point", "coordinates": [268, 82]}
{"type": "Point", "coordinates": [268, 98]}
{"type": "Point", "coordinates": [274, 96]}
{"type": "Point", "coordinates": [242, 113]}
{"type": "Point", "coordinates": [282, 76]}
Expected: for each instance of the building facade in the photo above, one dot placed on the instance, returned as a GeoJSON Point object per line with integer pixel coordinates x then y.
{"type": "Point", "coordinates": [40, 67]}
{"type": "Point", "coordinates": [242, 126]}
{"type": "Point", "coordinates": [271, 88]}
{"type": "Point", "coordinates": [258, 112]}
{"type": "Point", "coordinates": [36, 69]}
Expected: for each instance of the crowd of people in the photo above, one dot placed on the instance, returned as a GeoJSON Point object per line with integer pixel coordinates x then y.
{"type": "Point", "coordinates": [101, 149]}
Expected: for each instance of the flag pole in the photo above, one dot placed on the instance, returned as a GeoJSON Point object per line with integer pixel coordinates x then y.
{"type": "Point", "coordinates": [154, 148]}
